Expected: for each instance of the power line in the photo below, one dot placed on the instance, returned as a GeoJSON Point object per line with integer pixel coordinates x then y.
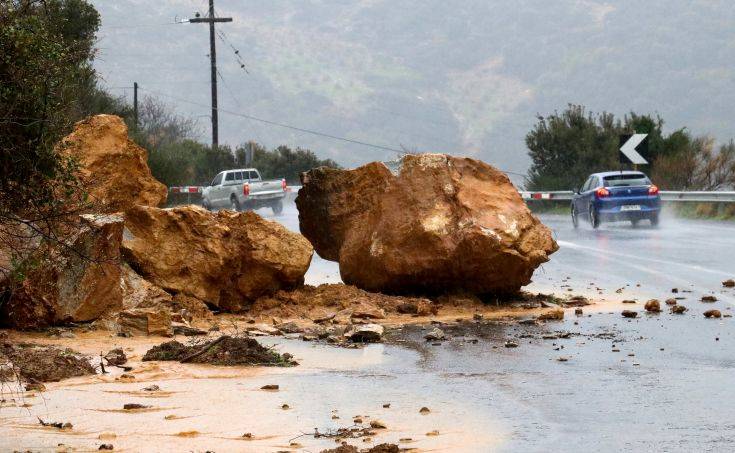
{"type": "Point", "coordinates": [274, 123]}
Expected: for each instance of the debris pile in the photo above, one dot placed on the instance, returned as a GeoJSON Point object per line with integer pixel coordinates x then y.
{"type": "Point", "coordinates": [442, 224]}
{"type": "Point", "coordinates": [34, 363]}
{"type": "Point", "coordinates": [225, 350]}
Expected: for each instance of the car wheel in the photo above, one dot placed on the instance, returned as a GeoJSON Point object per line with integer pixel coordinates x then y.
{"type": "Point", "coordinates": [575, 217]}
{"type": "Point", "coordinates": [654, 220]}
{"type": "Point", "coordinates": [234, 204]}
{"type": "Point", "coordinates": [277, 207]}
{"type": "Point", "coordinates": [594, 218]}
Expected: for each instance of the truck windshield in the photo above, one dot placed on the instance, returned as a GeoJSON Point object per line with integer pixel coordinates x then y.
{"type": "Point", "coordinates": [627, 180]}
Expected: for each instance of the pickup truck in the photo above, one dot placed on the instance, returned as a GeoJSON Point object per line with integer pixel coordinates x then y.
{"type": "Point", "coordinates": [244, 189]}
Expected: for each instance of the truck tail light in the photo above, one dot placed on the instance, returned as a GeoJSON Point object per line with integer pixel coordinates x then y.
{"type": "Point", "coordinates": [283, 184]}
{"type": "Point", "coordinates": [652, 190]}
{"type": "Point", "coordinates": [246, 189]}
{"type": "Point", "coordinates": [602, 192]}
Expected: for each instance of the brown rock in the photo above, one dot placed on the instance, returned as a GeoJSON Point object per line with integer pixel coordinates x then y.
{"type": "Point", "coordinates": [709, 298]}
{"type": "Point", "coordinates": [442, 224]}
{"type": "Point", "coordinates": [116, 357]}
{"type": "Point", "coordinates": [145, 321]}
{"type": "Point", "coordinates": [653, 306]}
{"type": "Point", "coordinates": [556, 314]}
{"type": "Point", "coordinates": [226, 259]}
{"type": "Point", "coordinates": [712, 314]}
{"type": "Point", "coordinates": [75, 282]}
{"type": "Point", "coordinates": [671, 301]}
{"type": "Point", "coordinates": [113, 168]}
{"type": "Point", "coordinates": [678, 309]}
{"type": "Point", "coordinates": [629, 314]}
{"type": "Point", "coordinates": [730, 283]}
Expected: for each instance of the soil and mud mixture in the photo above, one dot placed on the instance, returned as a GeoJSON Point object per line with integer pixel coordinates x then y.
{"type": "Point", "coordinates": [34, 363]}
{"type": "Point", "coordinates": [225, 350]}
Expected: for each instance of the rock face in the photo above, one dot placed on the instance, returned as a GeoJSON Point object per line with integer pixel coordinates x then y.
{"type": "Point", "coordinates": [114, 170]}
{"type": "Point", "coordinates": [441, 224]}
{"type": "Point", "coordinates": [78, 281]}
{"type": "Point", "coordinates": [226, 259]}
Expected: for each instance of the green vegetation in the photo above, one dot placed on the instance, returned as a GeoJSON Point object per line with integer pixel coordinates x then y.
{"type": "Point", "coordinates": [566, 147]}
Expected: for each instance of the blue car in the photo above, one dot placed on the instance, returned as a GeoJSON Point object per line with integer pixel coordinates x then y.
{"type": "Point", "coordinates": [616, 195]}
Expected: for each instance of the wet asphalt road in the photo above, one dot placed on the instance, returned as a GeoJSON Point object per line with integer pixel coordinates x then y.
{"type": "Point", "coordinates": [656, 383]}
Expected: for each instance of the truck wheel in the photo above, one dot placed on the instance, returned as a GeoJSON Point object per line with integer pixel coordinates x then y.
{"type": "Point", "coordinates": [234, 204]}
{"type": "Point", "coordinates": [277, 207]}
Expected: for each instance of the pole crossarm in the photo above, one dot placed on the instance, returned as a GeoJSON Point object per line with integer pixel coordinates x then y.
{"type": "Point", "coordinates": [208, 20]}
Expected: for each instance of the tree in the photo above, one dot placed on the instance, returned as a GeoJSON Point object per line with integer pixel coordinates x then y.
{"type": "Point", "coordinates": [44, 48]}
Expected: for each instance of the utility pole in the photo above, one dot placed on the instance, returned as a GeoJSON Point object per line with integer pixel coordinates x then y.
{"type": "Point", "coordinates": [211, 20]}
{"type": "Point", "coordinates": [135, 106]}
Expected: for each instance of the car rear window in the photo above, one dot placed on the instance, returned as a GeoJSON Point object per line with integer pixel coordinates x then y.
{"type": "Point", "coordinates": [626, 180]}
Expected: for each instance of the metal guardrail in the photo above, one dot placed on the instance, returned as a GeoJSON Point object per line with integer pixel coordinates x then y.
{"type": "Point", "coordinates": [666, 195]}
{"type": "Point", "coordinates": [559, 195]}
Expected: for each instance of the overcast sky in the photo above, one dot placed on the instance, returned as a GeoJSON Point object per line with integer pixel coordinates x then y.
{"type": "Point", "coordinates": [465, 77]}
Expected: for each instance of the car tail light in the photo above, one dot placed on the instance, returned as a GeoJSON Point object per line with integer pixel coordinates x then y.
{"type": "Point", "coordinates": [246, 189]}
{"type": "Point", "coordinates": [652, 190]}
{"type": "Point", "coordinates": [283, 185]}
{"type": "Point", "coordinates": [602, 192]}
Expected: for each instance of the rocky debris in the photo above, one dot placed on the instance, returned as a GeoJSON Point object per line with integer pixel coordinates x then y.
{"type": "Point", "coordinates": [729, 283]}
{"type": "Point", "coordinates": [134, 406]}
{"type": "Point", "coordinates": [227, 259]}
{"type": "Point", "coordinates": [436, 334]}
{"type": "Point", "coordinates": [678, 309]}
{"type": "Point", "coordinates": [443, 224]}
{"type": "Point", "coordinates": [578, 312]}
{"type": "Point", "coordinates": [57, 425]}
{"type": "Point", "coordinates": [511, 344]}
{"type": "Point", "coordinates": [338, 303]}
{"type": "Point", "coordinates": [377, 424]}
{"type": "Point", "coordinates": [36, 363]}
{"type": "Point", "coordinates": [628, 301]}
{"type": "Point", "coordinates": [75, 281]}
{"type": "Point", "coordinates": [152, 388]}
{"type": "Point", "coordinates": [116, 357]}
{"type": "Point", "coordinates": [708, 298]}
{"type": "Point", "coordinates": [576, 301]}
{"type": "Point", "coordinates": [556, 314]}
{"type": "Point", "coordinates": [187, 331]}
{"type": "Point", "coordinates": [270, 387]}
{"type": "Point", "coordinates": [629, 314]}
{"type": "Point", "coordinates": [671, 301]}
{"type": "Point", "coordinates": [365, 333]}
{"type": "Point", "coordinates": [653, 306]}
{"type": "Point", "coordinates": [106, 447]}
{"type": "Point", "coordinates": [145, 321]}
{"type": "Point", "coordinates": [113, 169]}
{"type": "Point", "coordinates": [225, 350]}
{"type": "Point", "coordinates": [712, 314]}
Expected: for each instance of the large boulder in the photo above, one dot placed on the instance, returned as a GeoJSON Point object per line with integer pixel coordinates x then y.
{"type": "Point", "coordinates": [113, 169]}
{"type": "Point", "coordinates": [75, 280]}
{"type": "Point", "coordinates": [441, 224]}
{"type": "Point", "coordinates": [226, 259]}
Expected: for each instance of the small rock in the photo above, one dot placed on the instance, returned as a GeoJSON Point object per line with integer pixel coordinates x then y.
{"type": "Point", "coordinates": [247, 436]}
{"type": "Point", "coordinates": [562, 359]}
{"type": "Point", "coordinates": [285, 407]}
{"type": "Point", "coordinates": [628, 301]}
{"type": "Point", "coordinates": [436, 334]}
{"type": "Point", "coordinates": [729, 283]}
{"type": "Point", "coordinates": [511, 344]}
{"type": "Point", "coordinates": [578, 311]}
{"type": "Point", "coordinates": [365, 333]}
{"type": "Point", "coordinates": [712, 314]}
{"type": "Point", "coordinates": [477, 317]}
{"type": "Point", "coordinates": [377, 424]}
{"type": "Point", "coordinates": [653, 306]}
{"type": "Point", "coordinates": [35, 386]}
{"type": "Point", "coordinates": [674, 290]}
{"type": "Point", "coordinates": [106, 447]}
{"type": "Point", "coordinates": [187, 331]}
{"type": "Point", "coordinates": [116, 357]}
{"type": "Point", "coordinates": [270, 387]}
{"type": "Point", "coordinates": [134, 406]}
{"type": "Point", "coordinates": [152, 388]}
{"type": "Point", "coordinates": [386, 406]}
{"type": "Point", "coordinates": [433, 433]}
{"type": "Point", "coordinates": [671, 301]}
{"type": "Point", "coordinates": [678, 309]}
{"type": "Point", "coordinates": [708, 298]}
{"type": "Point", "coordinates": [551, 315]}
{"type": "Point", "coordinates": [629, 314]}
{"type": "Point", "coordinates": [290, 327]}
{"type": "Point", "coordinates": [424, 410]}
